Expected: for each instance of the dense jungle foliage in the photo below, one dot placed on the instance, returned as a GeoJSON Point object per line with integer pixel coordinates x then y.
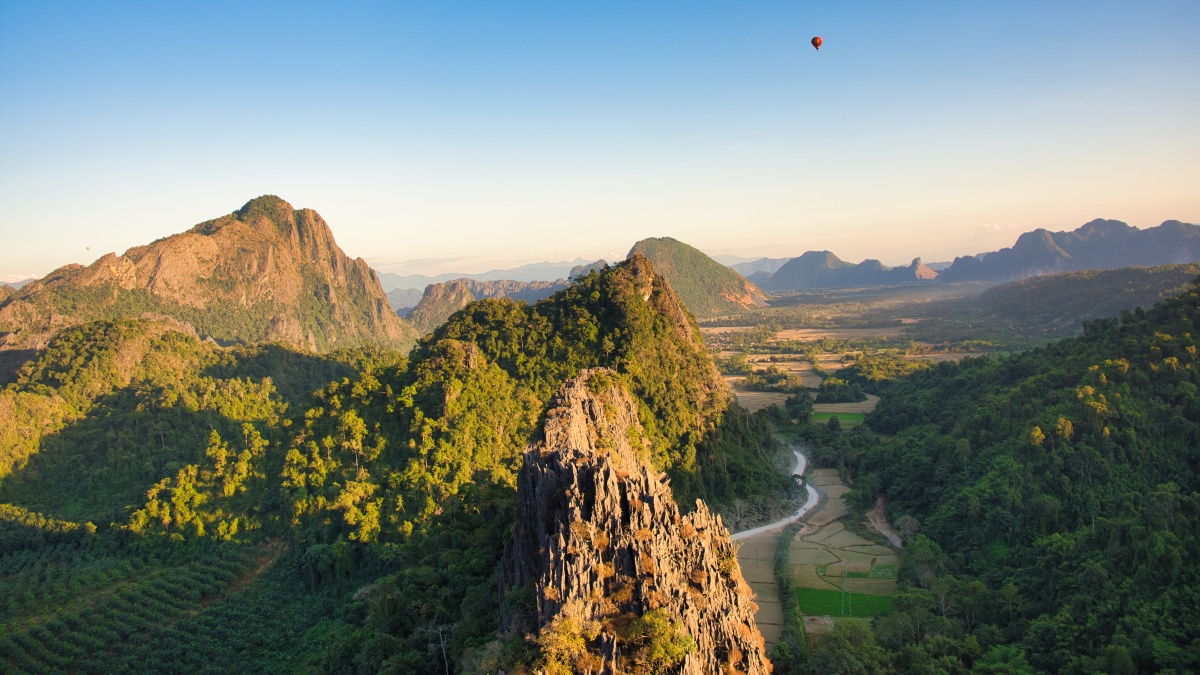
{"type": "Point", "coordinates": [1051, 502]}
{"type": "Point", "coordinates": [168, 505]}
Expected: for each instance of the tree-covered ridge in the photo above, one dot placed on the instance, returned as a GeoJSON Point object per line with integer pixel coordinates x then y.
{"type": "Point", "coordinates": [707, 287]}
{"type": "Point", "coordinates": [111, 408]}
{"type": "Point", "coordinates": [264, 273]}
{"type": "Point", "coordinates": [1058, 499]}
{"type": "Point", "coordinates": [628, 318]}
{"type": "Point", "coordinates": [364, 495]}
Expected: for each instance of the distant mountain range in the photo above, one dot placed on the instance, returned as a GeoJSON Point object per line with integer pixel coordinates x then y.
{"type": "Point", "coordinates": [264, 273]}
{"type": "Point", "coordinates": [541, 271]}
{"type": "Point", "coordinates": [430, 308]}
{"type": "Point", "coordinates": [706, 287]}
{"type": "Point", "coordinates": [1100, 244]}
{"type": "Point", "coordinates": [404, 299]}
{"type": "Point", "coordinates": [822, 269]}
{"type": "Point", "coordinates": [762, 266]}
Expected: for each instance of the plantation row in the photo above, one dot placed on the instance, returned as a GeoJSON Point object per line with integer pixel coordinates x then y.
{"type": "Point", "coordinates": [24, 560]}
{"type": "Point", "coordinates": [138, 602]}
{"type": "Point", "coordinates": [45, 582]}
{"type": "Point", "coordinates": [268, 627]}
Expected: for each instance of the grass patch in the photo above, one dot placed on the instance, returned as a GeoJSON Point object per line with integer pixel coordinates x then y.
{"type": "Point", "coordinates": [815, 602]}
{"type": "Point", "coordinates": [844, 540]}
{"type": "Point", "coordinates": [870, 586]}
{"type": "Point", "coordinates": [883, 572]}
{"type": "Point", "coordinates": [846, 419]}
{"type": "Point", "coordinates": [812, 556]}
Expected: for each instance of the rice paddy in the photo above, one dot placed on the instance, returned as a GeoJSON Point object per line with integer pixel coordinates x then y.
{"type": "Point", "coordinates": [818, 602]}
{"type": "Point", "coordinates": [756, 557]}
{"type": "Point", "coordinates": [836, 573]}
{"type": "Point", "coordinates": [845, 419]}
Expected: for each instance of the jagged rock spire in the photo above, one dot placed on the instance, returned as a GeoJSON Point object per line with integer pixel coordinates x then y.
{"type": "Point", "coordinates": [601, 543]}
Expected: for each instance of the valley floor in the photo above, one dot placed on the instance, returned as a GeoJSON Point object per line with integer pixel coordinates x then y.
{"type": "Point", "coordinates": [837, 575]}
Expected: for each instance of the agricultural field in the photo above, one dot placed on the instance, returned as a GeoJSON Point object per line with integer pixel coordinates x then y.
{"type": "Point", "coordinates": [756, 557]}
{"type": "Point", "coordinates": [63, 608]}
{"type": "Point", "coordinates": [754, 400]}
{"type": "Point", "coordinates": [818, 334]}
{"type": "Point", "coordinates": [845, 419]}
{"type": "Point", "coordinates": [835, 572]}
{"type": "Point", "coordinates": [820, 602]}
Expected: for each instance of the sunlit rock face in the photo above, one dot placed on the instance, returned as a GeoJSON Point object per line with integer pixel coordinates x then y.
{"type": "Point", "coordinates": [602, 546]}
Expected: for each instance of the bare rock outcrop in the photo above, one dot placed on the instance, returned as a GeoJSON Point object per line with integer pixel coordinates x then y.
{"type": "Point", "coordinates": [265, 272]}
{"type": "Point", "coordinates": [442, 300]}
{"type": "Point", "coordinates": [601, 543]}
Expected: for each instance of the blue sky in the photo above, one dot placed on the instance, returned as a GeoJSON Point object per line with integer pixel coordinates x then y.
{"type": "Point", "coordinates": [474, 135]}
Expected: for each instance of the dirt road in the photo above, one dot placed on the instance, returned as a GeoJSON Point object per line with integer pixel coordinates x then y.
{"type": "Point", "coordinates": [756, 557]}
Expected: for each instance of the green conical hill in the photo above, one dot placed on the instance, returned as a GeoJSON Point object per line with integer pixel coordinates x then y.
{"type": "Point", "coordinates": [706, 287]}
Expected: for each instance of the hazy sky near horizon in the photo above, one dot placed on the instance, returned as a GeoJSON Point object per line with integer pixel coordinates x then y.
{"type": "Point", "coordinates": [475, 135]}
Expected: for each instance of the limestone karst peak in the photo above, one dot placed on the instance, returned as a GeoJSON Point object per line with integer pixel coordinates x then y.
{"type": "Point", "coordinates": [600, 542]}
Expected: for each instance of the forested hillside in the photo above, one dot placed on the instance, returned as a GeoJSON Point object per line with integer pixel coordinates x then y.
{"type": "Point", "coordinates": [169, 503]}
{"type": "Point", "coordinates": [1033, 311]}
{"type": "Point", "coordinates": [1056, 500]}
{"type": "Point", "coordinates": [706, 287]}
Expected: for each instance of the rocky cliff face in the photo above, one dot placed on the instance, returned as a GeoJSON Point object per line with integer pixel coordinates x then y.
{"type": "Point", "coordinates": [442, 300]}
{"type": "Point", "coordinates": [266, 272]}
{"type": "Point", "coordinates": [620, 580]}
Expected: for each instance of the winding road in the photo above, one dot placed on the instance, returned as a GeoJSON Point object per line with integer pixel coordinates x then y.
{"type": "Point", "coordinates": [809, 505]}
{"type": "Point", "coordinates": [756, 556]}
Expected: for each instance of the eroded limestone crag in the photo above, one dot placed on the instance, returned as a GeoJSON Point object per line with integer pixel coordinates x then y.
{"type": "Point", "coordinates": [264, 273]}
{"type": "Point", "coordinates": [599, 539]}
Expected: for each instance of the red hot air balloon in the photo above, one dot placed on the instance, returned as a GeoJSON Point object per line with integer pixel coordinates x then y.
{"type": "Point", "coordinates": [816, 42]}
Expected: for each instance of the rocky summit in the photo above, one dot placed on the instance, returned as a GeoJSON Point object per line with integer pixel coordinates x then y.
{"type": "Point", "coordinates": [264, 273]}
{"type": "Point", "coordinates": [620, 581]}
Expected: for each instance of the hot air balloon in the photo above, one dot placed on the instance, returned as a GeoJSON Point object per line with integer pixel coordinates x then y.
{"type": "Point", "coordinates": [816, 42]}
